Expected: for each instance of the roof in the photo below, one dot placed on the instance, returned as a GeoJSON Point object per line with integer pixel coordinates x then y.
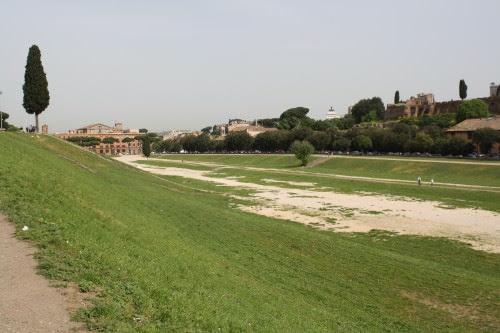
{"type": "Point", "coordinates": [94, 125]}
{"type": "Point", "coordinates": [469, 125]}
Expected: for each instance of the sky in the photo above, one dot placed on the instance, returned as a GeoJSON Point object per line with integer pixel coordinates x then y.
{"type": "Point", "coordinates": [189, 64]}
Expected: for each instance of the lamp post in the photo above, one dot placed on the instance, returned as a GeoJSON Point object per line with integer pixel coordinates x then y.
{"type": "Point", "coordinates": [1, 115]}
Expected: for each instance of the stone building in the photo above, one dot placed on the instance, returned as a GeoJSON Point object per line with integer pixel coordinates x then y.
{"type": "Point", "coordinates": [252, 130]}
{"type": "Point", "coordinates": [494, 89]}
{"type": "Point", "coordinates": [465, 129]}
{"type": "Point", "coordinates": [425, 104]}
{"type": "Point", "coordinates": [101, 131]}
{"type": "Point", "coordinates": [331, 114]}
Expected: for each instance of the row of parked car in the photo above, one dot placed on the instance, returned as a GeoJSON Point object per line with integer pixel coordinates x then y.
{"type": "Point", "coordinates": [473, 155]}
{"type": "Point", "coordinates": [356, 153]}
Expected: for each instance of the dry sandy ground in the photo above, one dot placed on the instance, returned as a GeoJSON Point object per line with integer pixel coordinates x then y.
{"type": "Point", "coordinates": [357, 212]}
{"type": "Point", "coordinates": [27, 302]}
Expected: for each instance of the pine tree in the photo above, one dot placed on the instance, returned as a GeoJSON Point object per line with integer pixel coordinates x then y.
{"type": "Point", "coordinates": [35, 88]}
{"type": "Point", "coordinates": [146, 146]}
{"type": "Point", "coordinates": [396, 97]}
{"type": "Point", "coordinates": [462, 89]}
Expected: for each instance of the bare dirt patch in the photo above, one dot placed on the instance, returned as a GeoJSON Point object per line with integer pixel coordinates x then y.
{"type": "Point", "coordinates": [27, 301]}
{"type": "Point", "coordinates": [361, 212]}
{"type": "Point", "coordinates": [470, 312]}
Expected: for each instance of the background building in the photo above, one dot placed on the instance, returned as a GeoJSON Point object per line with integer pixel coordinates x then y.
{"type": "Point", "coordinates": [100, 131]}
{"type": "Point", "coordinates": [331, 114]}
{"type": "Point", "coordinates": [465, 129]}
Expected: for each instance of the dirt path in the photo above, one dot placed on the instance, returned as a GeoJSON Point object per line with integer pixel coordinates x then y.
{"type": "Point", "coordinates": [466, 187]}
{"type": "Point", "coordinates": [27, 302]}
{"type": "Point", "coordinates": [361, 212]}
{"type": "Point", "coordinates": [318, 161]}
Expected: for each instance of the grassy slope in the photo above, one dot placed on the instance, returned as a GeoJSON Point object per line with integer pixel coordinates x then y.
{"type": "Point", "coordinates": [470, 174]}
{"type": "Point", "coordinates": [180, 259]}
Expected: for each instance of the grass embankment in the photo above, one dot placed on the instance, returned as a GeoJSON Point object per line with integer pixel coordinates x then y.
{"type": "Point", "coordinates": [165, 257]}
{"type": "Point", "coordinates": [394, 168]}
{"type": "Point", "coordinates": [454, 197]}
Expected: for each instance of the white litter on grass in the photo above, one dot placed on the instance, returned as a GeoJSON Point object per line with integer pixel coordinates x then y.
{"type": "Point", "coordinates": [25, 228]}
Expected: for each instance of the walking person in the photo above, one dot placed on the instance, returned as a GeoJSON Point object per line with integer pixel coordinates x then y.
{"type": "Point", "coordinates": [432, 181]}
{"type": "Point", "coordinates": [419, 180]}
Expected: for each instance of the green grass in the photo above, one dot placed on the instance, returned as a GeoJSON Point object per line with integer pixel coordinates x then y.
{"type": "Point", "coordinates": [165, 256]}
{"type": "Point", "coordinates": [471, 174]}
{"type": "Point", "coordinates": [400, 168]}
{"type": "Point", "coordinates": [279, 161]}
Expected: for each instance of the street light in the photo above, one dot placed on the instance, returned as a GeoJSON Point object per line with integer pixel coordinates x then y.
{"type": "Point", "coordinates": [1, 115]}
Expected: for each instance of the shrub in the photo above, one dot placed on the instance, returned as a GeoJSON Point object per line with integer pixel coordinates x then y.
{"type": "Point", "coordinates": [302, 150]}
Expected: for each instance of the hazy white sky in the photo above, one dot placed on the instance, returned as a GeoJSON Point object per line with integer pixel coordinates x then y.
{"type": "Point", "coordinates": [189, 64]}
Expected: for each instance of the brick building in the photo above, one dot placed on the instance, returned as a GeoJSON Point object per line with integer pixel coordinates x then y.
{"type": "Point", "coordinates": [465, 129]}
{"type": "Point", "coordinates": [101, 131]}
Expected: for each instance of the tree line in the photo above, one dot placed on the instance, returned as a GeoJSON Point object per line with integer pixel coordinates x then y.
{"type": "Point", "coordinates": [361, 131]}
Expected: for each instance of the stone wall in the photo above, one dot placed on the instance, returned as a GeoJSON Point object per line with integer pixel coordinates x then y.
{"type": "Point", "coordinates": [396, 111]}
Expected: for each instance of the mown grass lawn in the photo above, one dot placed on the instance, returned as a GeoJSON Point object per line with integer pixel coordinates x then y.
{"type": "Point", "coordinates": [396, 168]}
{"type": "Point", "coordinates": [165, 257]}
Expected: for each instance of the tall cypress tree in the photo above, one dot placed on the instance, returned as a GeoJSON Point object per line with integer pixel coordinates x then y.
{"type": "Point", "coordinates": [396, 97]}
{"type": "Point", "coordinates": [35, 88]}
{"type": "Point", "coordinates": [146, 146]}
{"type": "Point", "coordinates": [462, 89]}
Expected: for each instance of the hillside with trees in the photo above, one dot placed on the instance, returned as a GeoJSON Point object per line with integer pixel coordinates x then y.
{"type": "Point", "coordinates": [361, 132]}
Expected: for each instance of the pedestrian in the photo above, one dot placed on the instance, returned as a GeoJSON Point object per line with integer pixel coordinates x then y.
{"type": "Point", "coordinates": [432, 181]}
{"type": "Point", "coordinates": [419, 180]}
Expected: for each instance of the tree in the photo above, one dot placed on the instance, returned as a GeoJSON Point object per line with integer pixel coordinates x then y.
{"type": "Point", "coordinates": [4, 123]}
{"type": "Point", "coordinates": [362, 142]}
{"type": "Point", "coordinates": [320, 140]}
{"type": "Point", "coordinates": [295, 117]}
{"type": "Point", "coordinates": [268, 122]}
{"type": "Point", "coordinates": [302, 150]}
{"type": "Point", "coordinates": [109, 140]}
{"type": "Point", "coordinates": [485, 138]}
{"type": "Point", "coordinates": [143, 130]}
{"type": "Point", "coordinates": [396, 97]}
{"type": "Point", "coordinates": [342, 144]}
{"type": "Point", "coordinates": [462, 89]}
{"type": "Point", "coordinates": [203, 143]}
{"type": "Point", "coordinates": [189, 143]}
{"type": "Point", "coordinates": [364, 106]}
{"type": "Point", "coordinates": [207, 129]}
{"type": "Point", "coordinates": [474, 108]}
{"type": "Point", "coordinates": [36, 93]}
{"type": "Point", "coordinates": [422, 143]}
{"type": "Point", "coordinates": [498, 91]}
{"type": "Point", "coordinates": [146, 146]}
{"type": "Point", "coordinates": [239, 141]}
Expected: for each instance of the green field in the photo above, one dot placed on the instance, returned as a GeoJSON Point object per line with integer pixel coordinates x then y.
{"type": "Point", "coordinates": [165, 255]}
{"type": "Point", "coordinates": [399, 168]}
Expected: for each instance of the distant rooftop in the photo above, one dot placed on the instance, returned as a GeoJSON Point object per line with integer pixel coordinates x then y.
{"type": "Point", "coordinates": [469, 125]}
